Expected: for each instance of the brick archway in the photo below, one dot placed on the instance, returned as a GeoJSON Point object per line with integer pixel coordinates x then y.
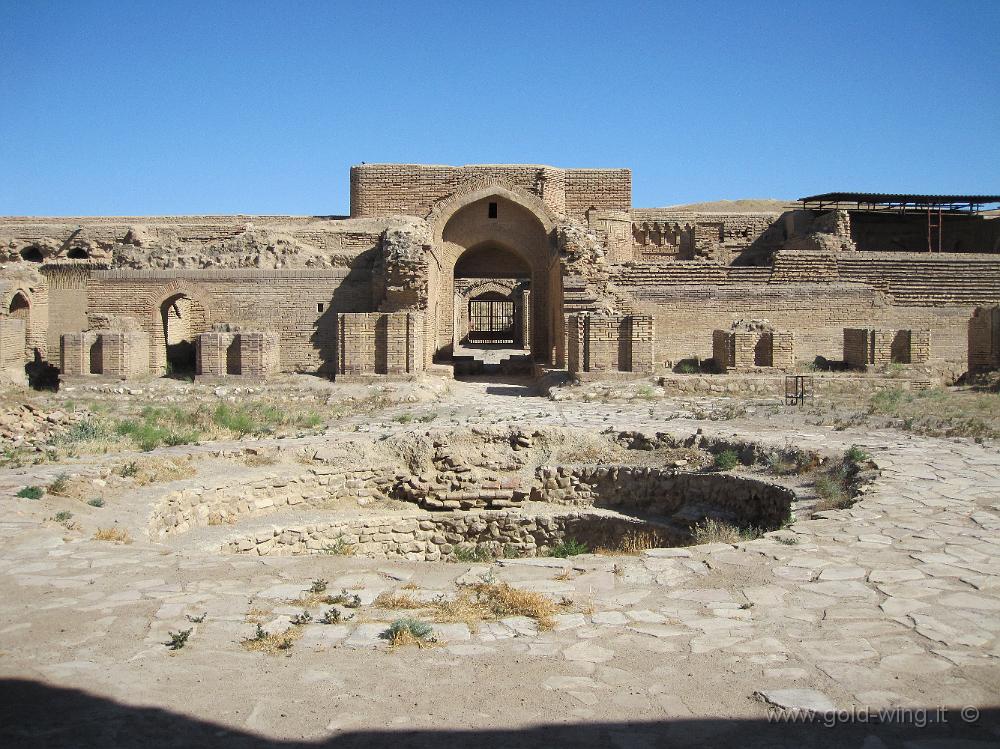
{"type": "Point", "coordinates": [515, 228]}
{"type": "Point", "coordinates": [190, 309]}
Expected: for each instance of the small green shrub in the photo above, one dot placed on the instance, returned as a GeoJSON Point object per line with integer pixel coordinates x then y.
{"type": "Point", "coordinates": [339, 548]}
{"type": "Point", "coordinates": [833, 490]}
{"type": "Point", "coordinates": [888, 400]}
{"type": "Point", "coordinates": [127, 470]}
{"type": "Point", "coordinates": [333, 616]}
{"type": "Point", "coordinates": [304, 618]}
{"type": "Point", "coordinates": [178, 639]}
{"type": "Point", "coordinates": [310, 420]}
{"type": "Point", "coordinates": [855, 454]}
{"type": "Point", "coordinates": [569, 547]}
{"type": "Point", "coordinates": [345, 599]}
{"type": "Point", "coordinates": [31, 492]}
{"type": "Point", "coordinates": [691, 365]}
{"type": "Point", "coordinates": [645, 392]}
{"type": "Point", "coordinates": [235, 419]}
{"type": "Point", "coordinates": [196, 619]}
{"type": "Point", "coordinates": [81, 431]}
{"type": "Point", "coordinates": [404, 418]}
{"type": "Point", "coordinates": [399, 629]}
{"type": "Point", "coordinates": [63, 516]}
{"type": "Point", "coordinates": [96, 502]}
{"type": "Point", "coordinates": [318, 586]}
{"type": "Point", "coordinates": [727, 460]}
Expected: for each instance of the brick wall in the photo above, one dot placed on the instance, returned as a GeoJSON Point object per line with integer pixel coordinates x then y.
{"type": "Point", "coordinates": [984, 339]}
{"type": "Point", "coordinates": [247, 354]}
{"type": "Point", "coordinates": [609, 343]}
{"type": "Point", "coordinates": [748, 350]}
{"type": "Point", "coordinates": [11, 343]}
{"type": "Point", "coordinates": [380, 343]}
{"type": "Point", "coordinates": [870, 347]}
{"type": "Point", "coordinates": [67, 301]}
{"type": "Point", "coordinates": [301, 306]}
{"type": "Point", "coordinates": [414, 189]}
{"type": "Point", "coordinates": [664, 233]}
{"type": "Point", "coordinates": [111, 353]}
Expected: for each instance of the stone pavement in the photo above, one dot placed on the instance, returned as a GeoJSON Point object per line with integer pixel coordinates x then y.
{"type": "Point", "coordinates": [894, 602]}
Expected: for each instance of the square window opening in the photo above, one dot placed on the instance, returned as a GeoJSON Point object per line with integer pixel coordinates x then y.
{"type": "Point", "coordinates": [320, 306]}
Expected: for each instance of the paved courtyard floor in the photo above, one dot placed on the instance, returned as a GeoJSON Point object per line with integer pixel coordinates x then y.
{"type": "Point", "coordinates": [892, 605]}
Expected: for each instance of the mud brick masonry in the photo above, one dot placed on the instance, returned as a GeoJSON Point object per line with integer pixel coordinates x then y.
{"type": "Point", "coordinates": [554, 263]}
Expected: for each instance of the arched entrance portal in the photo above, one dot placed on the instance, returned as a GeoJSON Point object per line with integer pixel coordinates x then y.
{"type": "Point", "coordinates": [183, 318]}
{"type": "Point", "coordinates": [496, 279]}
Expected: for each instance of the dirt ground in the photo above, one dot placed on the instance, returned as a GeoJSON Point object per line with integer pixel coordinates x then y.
{"type": "Point", "coordinates": [870, 623]}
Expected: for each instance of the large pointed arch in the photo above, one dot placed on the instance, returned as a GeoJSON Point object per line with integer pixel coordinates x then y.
{"type": "Point", "coordinates": [512, 221]}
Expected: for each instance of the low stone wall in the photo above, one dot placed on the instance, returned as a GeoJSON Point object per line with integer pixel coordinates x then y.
{"type": "Point", "coordinates": [184, 509]}
{"type": "Point", "coordinates": [434, 537]}
{"type": "Point", "coordinates": [774, 386]}
{"type": "Point", "coordinates": [686, 497]}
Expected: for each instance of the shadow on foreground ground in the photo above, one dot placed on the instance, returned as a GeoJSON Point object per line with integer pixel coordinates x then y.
{"type": "Point", "coordinates": [38, 715]}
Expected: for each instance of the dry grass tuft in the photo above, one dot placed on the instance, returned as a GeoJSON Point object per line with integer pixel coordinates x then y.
{"type": "Point", "coordinates": [256, 460]}
{"type": "Point", "coordinates": [397, 601]}
{"type": "Point", "coordinates": [712, 531]}
{"type": "Point", "coordinates": [633, 544]}
{"type": "Point", "coordinates": [272, 644]}
{"type": "Point", "coordinates": [501, 600]}
{"type": "Point", "coordinates": [115, 535]}
{"type": "Point", "coordinates": [478, 603]}
{"type": "Point", "coordinates": [404, 637]}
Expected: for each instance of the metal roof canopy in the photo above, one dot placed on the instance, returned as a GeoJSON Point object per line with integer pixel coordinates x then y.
{"type": "Point", "coordinates": [901, 202]}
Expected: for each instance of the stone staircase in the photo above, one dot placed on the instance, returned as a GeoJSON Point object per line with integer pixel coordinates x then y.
{"type": "Point", "coordinates": [804, 266]}
{"type": "Point", "coordinates": [491, 361]}
{"type": "Point", "coordinates": [926, 280]}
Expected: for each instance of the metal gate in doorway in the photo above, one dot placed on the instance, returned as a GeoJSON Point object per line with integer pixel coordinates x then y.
{"type": "Point", "coordinates": [491, 321]}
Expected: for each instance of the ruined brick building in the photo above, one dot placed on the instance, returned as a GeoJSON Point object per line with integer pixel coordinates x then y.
{"type": "Point", "coordinates": [438, 264]}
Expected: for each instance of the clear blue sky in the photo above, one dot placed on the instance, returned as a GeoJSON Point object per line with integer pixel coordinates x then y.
{"type": "Point", "coordinates": [207, 107]}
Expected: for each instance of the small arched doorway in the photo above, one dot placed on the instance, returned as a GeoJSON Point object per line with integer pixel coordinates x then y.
{"type": "Point", "coordinates": [20, 308]}
{"type": "Point", "coordinates": [491, 296]}
{"type": "Point", "coordinates": [182, 318]}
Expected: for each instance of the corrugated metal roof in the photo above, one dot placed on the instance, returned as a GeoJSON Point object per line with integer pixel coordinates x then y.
{"type": "Point", "coordinates": [901, 198]}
